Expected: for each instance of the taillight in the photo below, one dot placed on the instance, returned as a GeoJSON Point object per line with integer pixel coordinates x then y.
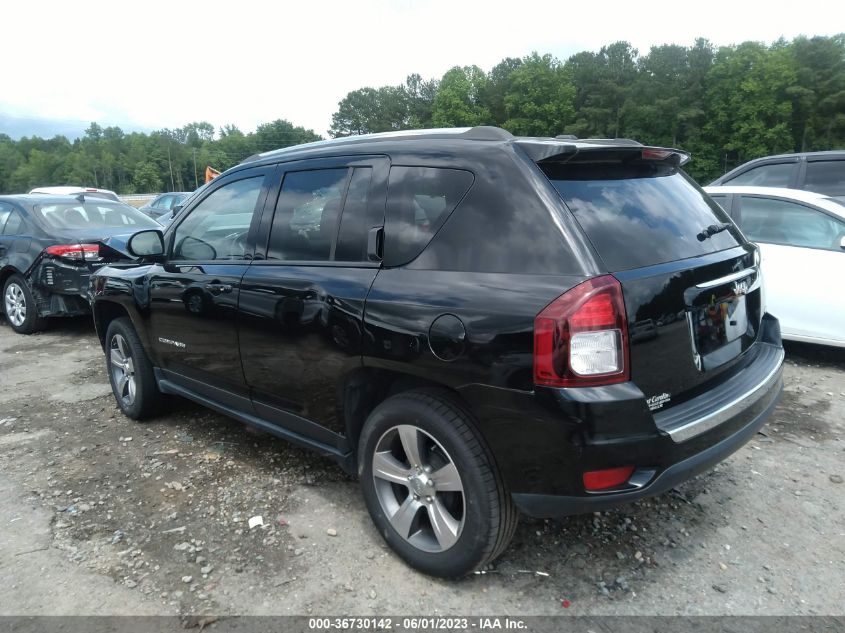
{"type": "Point", "coordinates": [581, 338]}
{"type": "Point", "coordinates": [77, 252]}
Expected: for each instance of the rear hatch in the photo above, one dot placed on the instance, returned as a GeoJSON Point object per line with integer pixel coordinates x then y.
{"type": "Point", "coordinates": [690, 280]}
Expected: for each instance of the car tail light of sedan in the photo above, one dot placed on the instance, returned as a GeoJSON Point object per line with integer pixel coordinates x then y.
{"type": "Point", "coordinates": [76, 252]}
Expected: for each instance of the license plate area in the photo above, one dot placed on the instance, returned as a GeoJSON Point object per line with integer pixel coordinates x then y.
{"type": "Point", "coordinates": [723, 318]}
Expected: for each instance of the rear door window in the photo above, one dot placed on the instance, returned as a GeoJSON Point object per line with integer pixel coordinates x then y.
{"type": "Point", "coordinates": [722, 201]}
{"type": "Point", "coordinates": [640, 214]}
{"type": "Point", "coordinates": [774, 221]}
{"type": "Point", "coordinates": [774, 175]}
{"type": "Point", "coordinates": [305, 221]}
{"type": "Point", "coordinates": [419, 200]}
{"type": "Point", "coordinates": [826, 176]}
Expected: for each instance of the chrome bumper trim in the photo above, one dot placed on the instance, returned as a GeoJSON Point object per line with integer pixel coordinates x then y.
{"type": "Point", "coordinates": [726, 412]}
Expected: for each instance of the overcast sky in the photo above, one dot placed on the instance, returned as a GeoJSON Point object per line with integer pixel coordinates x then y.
{"type": "Point", "coordinates": [163, 64]}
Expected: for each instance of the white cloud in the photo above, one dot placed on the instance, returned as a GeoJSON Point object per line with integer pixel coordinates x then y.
{"type": "Point", "coordinates": [163, 64]}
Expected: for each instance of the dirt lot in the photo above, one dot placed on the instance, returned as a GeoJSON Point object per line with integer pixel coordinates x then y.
{"type": "Point", "coordinates": [99, 514]}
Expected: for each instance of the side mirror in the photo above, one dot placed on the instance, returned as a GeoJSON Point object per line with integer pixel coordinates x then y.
{"type": "Point", "coordinates": [146, 244]}
{"type": "Point", "coordinates": [176, 209]}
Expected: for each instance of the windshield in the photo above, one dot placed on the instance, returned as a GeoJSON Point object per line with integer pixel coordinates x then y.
{"type": "Point", "coordinates": [94, 215]}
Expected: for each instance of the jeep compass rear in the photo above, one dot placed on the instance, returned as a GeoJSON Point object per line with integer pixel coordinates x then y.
{"type": "Point", "coordinates": [474, 324]}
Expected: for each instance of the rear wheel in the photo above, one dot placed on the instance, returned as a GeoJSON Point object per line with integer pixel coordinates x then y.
{"type": "Point", "coordinates": [20, 306]}
{"type": "Point", "coordinates": [130, 371]}
{"type": "Point", "coordinates": [431, 486]}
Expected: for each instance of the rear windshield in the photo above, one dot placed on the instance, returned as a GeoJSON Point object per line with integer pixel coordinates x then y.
{"type": "Point", "coordinates": [94, 215]}
{"type": "Point", "coordinates": [639, 214]}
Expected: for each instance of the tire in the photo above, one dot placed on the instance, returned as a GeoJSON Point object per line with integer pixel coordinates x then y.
{"type": "Point", "coordinates": [474, 510]}
{"type": "Point", "coordinates": [130, 372]}
{"type": "Point", "coordinates": [20, 306]}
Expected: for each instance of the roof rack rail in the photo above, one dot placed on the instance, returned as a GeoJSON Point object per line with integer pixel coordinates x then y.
{"type": "Point", "coordinates": [487, 133]}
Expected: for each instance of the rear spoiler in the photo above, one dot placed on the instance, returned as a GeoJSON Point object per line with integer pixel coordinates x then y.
{"type": "Point", "coordinates": [559, 151]}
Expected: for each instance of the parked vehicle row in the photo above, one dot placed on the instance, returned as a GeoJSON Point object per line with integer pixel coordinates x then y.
{"type": "Point", "coordinates": [475, 324]}
{"type": "Point", "coordinates": [50, 244]}
{"type": "Point", "coordinates": [801, 236]}
{"type": "Point", "coordinates": [164, 204]}
{"type": "Point", "coordinates": [819, 172]}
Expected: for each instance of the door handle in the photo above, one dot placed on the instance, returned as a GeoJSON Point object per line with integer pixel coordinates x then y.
{"type": "Point", "coordinates": [217, 288]}
{"type": "Point", "coordinates": [375, 244]}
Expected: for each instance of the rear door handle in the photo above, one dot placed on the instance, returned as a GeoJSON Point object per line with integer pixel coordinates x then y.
{"type": "Point", "coordinates": [216, 288]}
{"type": "Point", "coordinates": [375, 244]}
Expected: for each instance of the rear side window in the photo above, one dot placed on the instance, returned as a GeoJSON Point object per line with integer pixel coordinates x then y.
{"type": "Point", "coordinates": [419, 199]}
{"type": "Point", "coordinates": [640, 214]}
{"type": "Point", "coordinates": [305, 221]}
{"type": "Point", "coordinates": [826, 176]}
{"type": "Point", "coordinates": [776, 175]}
{"type": "Point", "coordinates": [14, 224]}
{"type": "Point", "coordinates": [4, 214]}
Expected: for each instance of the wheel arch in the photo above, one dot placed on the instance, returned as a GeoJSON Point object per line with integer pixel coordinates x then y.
{"type": "Point", "coordinates": [6, 272]}
{"type": "Point", "coordinates": [364, 388]}
{"type": "Point", "coordinates": [105, 312]}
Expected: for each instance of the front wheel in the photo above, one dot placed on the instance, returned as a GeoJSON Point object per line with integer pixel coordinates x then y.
{"type": "Point", "coordinates": [431, 486]}
{"type": "Point", "coordinates": [20, 306]}
{"type": "Point", "coordinates": [130, 371]}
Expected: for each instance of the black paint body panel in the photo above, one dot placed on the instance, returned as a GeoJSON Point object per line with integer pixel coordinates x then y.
{"type": "Point", "coordinates": [280, 348]}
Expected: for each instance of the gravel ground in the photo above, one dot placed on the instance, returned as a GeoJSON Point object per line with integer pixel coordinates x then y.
{"type": "Point", "coordinates": [99, 514]}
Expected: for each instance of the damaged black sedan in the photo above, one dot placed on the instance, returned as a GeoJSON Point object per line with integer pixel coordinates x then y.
{"type": "Point", "coordinates": [49, 245]}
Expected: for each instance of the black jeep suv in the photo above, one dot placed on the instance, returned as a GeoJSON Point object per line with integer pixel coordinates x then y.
{"type": "Point", "coordinates": [472, 323]}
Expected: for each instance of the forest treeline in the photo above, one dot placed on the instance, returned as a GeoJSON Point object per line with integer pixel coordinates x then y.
{"type": "Point", "coordinates": [725, 105]}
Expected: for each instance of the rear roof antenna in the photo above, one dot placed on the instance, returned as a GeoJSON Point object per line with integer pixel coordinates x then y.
{"type": "Point", "coordinates": [81, 197]}
{"type": "Point", "coordinates": [566, 137]}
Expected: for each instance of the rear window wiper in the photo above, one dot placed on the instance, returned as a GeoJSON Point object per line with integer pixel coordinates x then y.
{"type": "Point", "coordinates": [712, 230]}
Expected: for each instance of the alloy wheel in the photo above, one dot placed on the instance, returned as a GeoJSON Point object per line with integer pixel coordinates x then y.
{"type": "Point", "coordinates": [15, 304]}
{"type": "Point", "coordinates": [122, 370]}
{"type": "Point", "coordinates": [419, 488]}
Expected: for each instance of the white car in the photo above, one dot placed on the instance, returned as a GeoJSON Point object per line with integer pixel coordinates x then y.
{"type": "Point", "coordinates": [802, 242]}
{"type": "Point", "coordinates": [108, 194]}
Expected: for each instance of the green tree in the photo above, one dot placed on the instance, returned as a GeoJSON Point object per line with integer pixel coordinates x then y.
{"type": "Point", "coordinates": [540, 97]}
{"type": "Point", "coordinates": [147, 178]}
{"type": "Point", "coordinates": [370, 110]}
{"type": "Point", "coordinates": [749, 111]}
{"type": "Point", "coordinates": [603, 84]}
{"type": "Point", "coordinates": [459, 100]}
{"type": "Point", "coordinates": [818, 95]}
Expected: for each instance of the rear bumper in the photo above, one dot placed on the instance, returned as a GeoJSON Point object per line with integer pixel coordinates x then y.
{"type": "Point", "coordinates": [551, 506]}
{"type": "Point", "coordinates": [544, 442]}
{"type": "Point", "coordinates": [61, 288]}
